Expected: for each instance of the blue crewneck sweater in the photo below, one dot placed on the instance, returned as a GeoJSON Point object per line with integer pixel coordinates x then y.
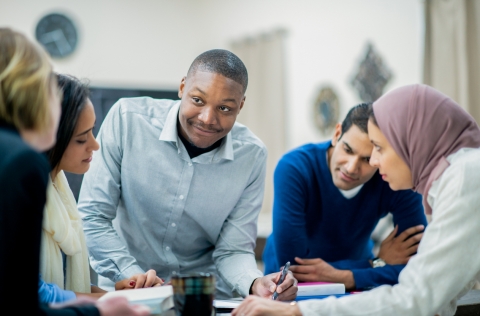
{"type": "Point", "coordinates": [312, 218]}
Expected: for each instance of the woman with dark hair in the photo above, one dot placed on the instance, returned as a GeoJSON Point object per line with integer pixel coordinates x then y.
{"type": "Point", "coordinates": [64, 254]}
{"type": "Point", "coordinates": [424, 141]}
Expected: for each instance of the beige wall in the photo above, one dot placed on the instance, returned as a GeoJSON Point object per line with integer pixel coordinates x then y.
{"type": "Point", "coordinates": [151, 43]}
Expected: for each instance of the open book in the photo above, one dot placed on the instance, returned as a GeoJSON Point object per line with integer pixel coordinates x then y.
{"type": "Point", "coordinates": [320, 288]}
{"type": "Point", "coordinates": [159, 298]}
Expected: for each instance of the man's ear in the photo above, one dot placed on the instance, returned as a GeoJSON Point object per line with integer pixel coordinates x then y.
{"type": "Point", "coordinates": [242, 103]}
{"type": "Point", "coordinates": [336, 134]}
{"type": "Point", "coordinates": [182, 86]}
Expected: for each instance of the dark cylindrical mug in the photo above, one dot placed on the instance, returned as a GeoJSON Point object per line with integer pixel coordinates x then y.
{"type": "Point", "coordinates": [193, 294]}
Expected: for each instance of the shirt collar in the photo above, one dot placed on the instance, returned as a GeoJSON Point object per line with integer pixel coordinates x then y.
{"type": "Point", "coordinates": [169, 134]}
{"type": "Point", "coordinates": [169, 131]}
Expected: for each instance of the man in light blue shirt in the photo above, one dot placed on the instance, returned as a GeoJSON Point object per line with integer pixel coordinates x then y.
{"type": "Point", "coordinates": [177, 185]}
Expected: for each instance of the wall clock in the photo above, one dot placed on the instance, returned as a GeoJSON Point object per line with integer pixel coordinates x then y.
{"type": "Point", "coordinates": [57, 33]}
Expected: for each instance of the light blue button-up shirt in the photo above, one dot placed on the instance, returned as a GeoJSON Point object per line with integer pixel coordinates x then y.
{"type": "Point", "coordinates": [146, 205]}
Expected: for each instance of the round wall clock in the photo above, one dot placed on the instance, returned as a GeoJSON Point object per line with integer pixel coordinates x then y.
{"type": "Point", "coordinates": [326, 109]}
{"type": "Point", "coordinates": [57, 34]}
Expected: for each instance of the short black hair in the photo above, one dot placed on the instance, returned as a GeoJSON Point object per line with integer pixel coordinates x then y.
{"type": "Point", "coordinates": [358, 115]}
{"type": "Point", "coordinates": [222, 62]}
{"type": "Point", "coordinates": [75, 95]}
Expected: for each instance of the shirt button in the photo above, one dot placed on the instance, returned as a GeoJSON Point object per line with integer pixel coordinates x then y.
{"type": "Point", "coordinates": [173, 224]}
{"type": "Point", "coordinates": [167, 248]}
{"type": "Point", "coordinates": [190, 164]}
{"type": "Point", "coordinates": [181, 197]}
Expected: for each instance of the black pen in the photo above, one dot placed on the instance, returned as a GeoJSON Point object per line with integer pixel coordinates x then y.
{"type": "Point", "coordinates": [282, 277]}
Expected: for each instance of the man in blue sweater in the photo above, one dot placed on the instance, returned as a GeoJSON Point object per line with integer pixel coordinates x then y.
{"type": "Point", "coordinates": [327, 202]}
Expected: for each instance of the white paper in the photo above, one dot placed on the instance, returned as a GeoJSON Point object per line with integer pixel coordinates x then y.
{"type": "Point", "coordinates": [227, 303]}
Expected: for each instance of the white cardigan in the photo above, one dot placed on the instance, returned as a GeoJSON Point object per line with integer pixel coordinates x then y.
{"type": "Point", "coordinates": [448, 258]}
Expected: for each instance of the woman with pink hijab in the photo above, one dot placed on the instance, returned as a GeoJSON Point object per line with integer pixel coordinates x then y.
{"type": "Point", "coordinates": [426, 142]}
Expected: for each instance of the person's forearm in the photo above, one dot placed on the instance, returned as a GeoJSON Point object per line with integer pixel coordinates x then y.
{"type": "Point", "coordinates": [239, 271]}
{"type": "Point", "coordinates": [96, 289]}
{"type": "Point", "coordinates": [373, 277]}
{"type": "Point", "coordinates": [350, 264]}
{"type": "Point", "coordinates": [343, 276]}
{"type": "Point", "coordinates": [89, 295]}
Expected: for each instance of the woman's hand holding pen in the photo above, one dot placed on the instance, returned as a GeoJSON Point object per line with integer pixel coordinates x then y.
{"type": "Point", "coordinates": [141, 280]}
{"type": "Point", "coordinates": [266, 286]}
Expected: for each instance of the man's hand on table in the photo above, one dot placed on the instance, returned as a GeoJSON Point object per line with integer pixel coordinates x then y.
{"type": "Point", "coordinates": [138, 281]}
{"type": "Point", "coordinates": [398, 250]}
{"type": "Point", "coordinates": [317, 270]}
{"type": "Point", "coordinates": [265, 286]}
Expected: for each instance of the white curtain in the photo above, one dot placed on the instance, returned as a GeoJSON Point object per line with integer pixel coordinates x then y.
{"type": "Point", "coordinates": [452, 50]}
{"type": "Point", "coordinates": [264, 109]}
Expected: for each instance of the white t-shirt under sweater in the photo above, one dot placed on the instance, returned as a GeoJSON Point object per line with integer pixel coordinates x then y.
{"type": "Point", "coordinates": [448, 258]}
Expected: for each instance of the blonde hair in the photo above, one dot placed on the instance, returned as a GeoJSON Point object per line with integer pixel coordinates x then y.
{"type": "Point", "coordinates": [26, 82]}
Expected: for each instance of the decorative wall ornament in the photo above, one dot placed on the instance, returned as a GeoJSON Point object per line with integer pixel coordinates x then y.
{"type": "Point", "coordinates": [326, 109]}
{"type": "Point", "coordinates": [372, 76]}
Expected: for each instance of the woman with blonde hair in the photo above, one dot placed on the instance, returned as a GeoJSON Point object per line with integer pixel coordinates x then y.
{"type": "Point", "coordinates": [29, 115]}
{"type": "Point", "coordinates": [424, 141]}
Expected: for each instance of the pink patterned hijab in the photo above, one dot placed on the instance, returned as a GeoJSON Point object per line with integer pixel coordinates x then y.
{"type": "Point", "coordinates": [424, 127]}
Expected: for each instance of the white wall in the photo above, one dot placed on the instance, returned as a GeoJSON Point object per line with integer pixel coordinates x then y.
{"type": "Point", "coordinates": [151, 43]}
{"type": "Point", "coordinates": [122, 43]}
{"type": "Point", "coordinates": [327, 39]}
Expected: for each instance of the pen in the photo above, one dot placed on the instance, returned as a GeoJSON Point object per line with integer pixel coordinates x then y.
{"type": "Point", "coordinates": [282, 277]}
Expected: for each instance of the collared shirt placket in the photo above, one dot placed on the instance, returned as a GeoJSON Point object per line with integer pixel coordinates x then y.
{"type": "Point", "coordinates": [186, 177]}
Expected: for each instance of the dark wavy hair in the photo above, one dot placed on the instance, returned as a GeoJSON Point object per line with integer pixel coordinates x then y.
{"type": "Point", "coordinates": [75, 95]}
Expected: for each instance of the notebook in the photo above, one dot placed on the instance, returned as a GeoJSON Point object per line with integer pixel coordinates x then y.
{"type": "Point", "coordinates": [320, 288]}
{"type": "Point", "coordinates": [159, 299]}
{"type": "Point", "coordinates": [226, 306]}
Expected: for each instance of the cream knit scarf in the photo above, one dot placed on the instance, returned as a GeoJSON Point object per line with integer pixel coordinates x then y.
{"type": "Point", "coordinates": [63, 231]}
